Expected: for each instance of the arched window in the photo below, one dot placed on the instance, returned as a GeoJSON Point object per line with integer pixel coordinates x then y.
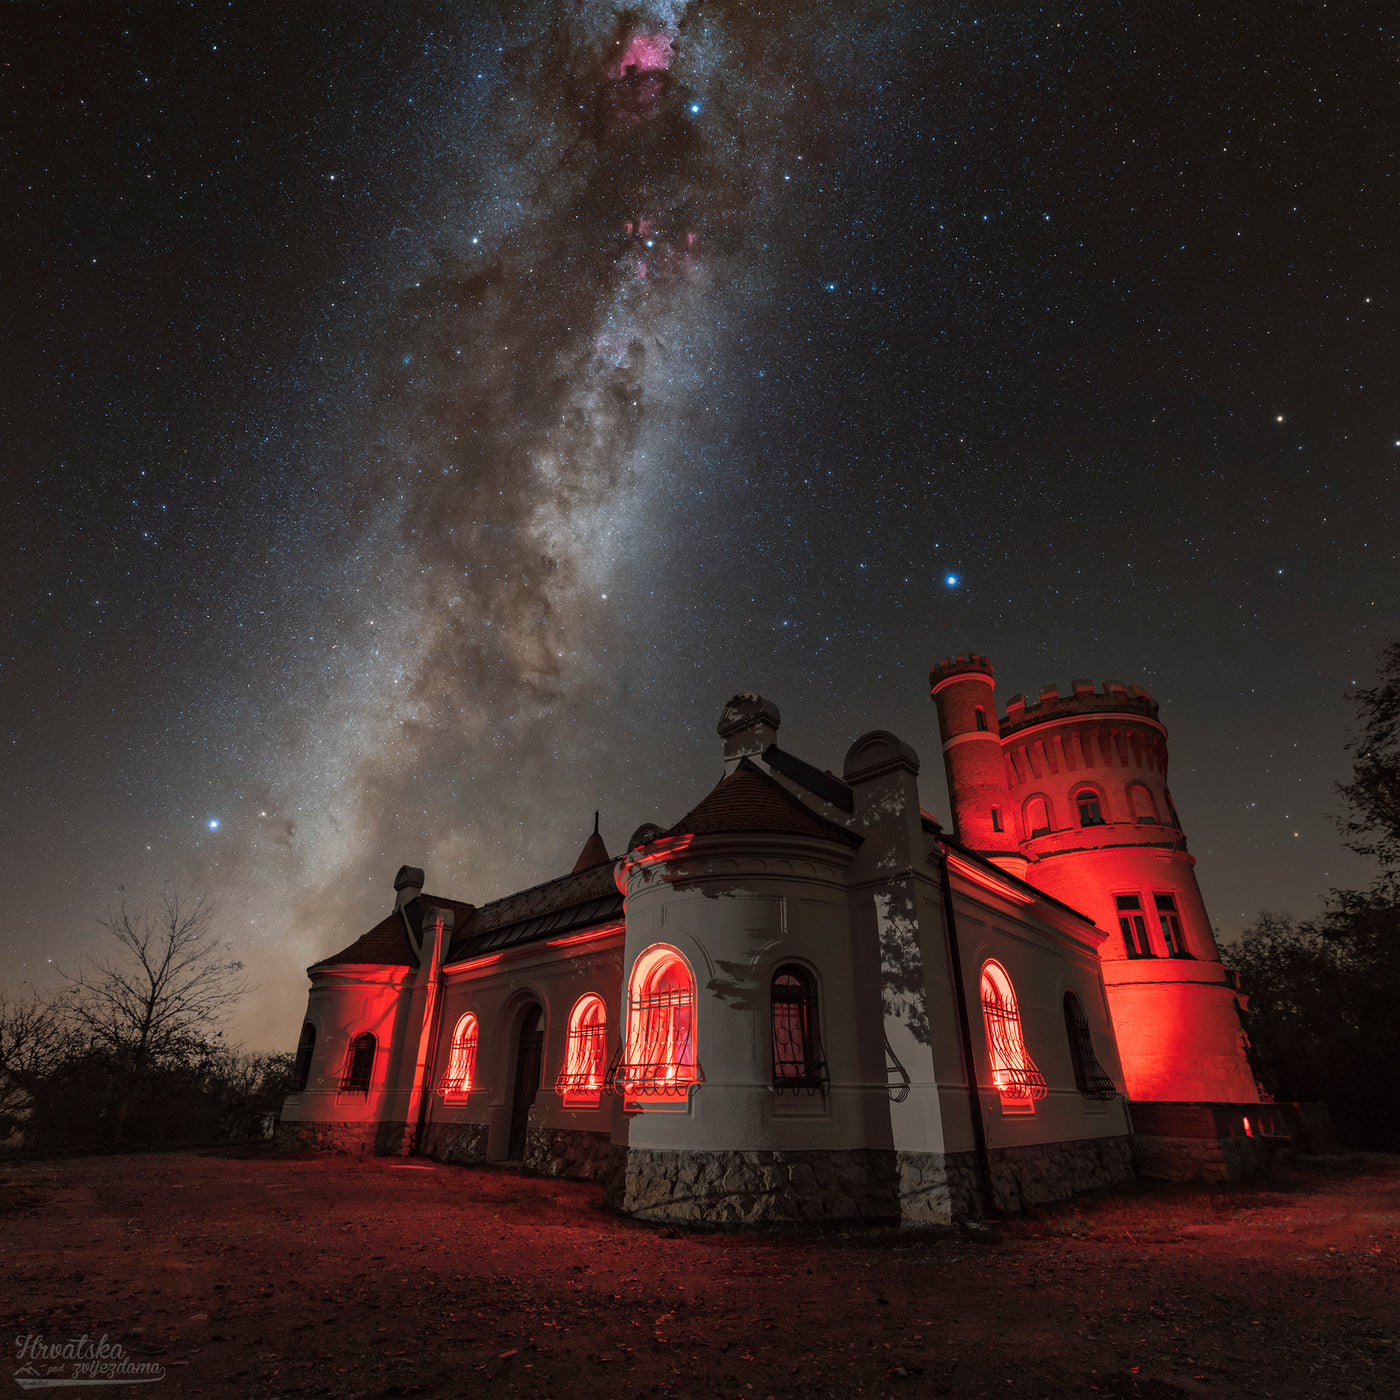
{"type": "Point", "coordinates": [1037, 816]}
{"type": "Point", "coordinates": [980, 717]}
{"type": "Point", "coordinates": [461, 1060]}
{"type": "Point", "coordinates": [580, 1081]}
{"type": "Point", "coordinates": [1017, 1079]}
{"type": "Point", "coordinates": [359, 1065]}
{"type": "Point", "coordinates": [797, 1052]}
{"type": "Point", "coordinates": [1090, 813]}
{"type": "Point", "coordinates": [301, 1069]}
{"type": "Point", "coordinates": [658, 1065]}
{"type": "Point", "coordinates": [1140, 799]}
{"type": "Point", "coordinates": [1090, 1077]}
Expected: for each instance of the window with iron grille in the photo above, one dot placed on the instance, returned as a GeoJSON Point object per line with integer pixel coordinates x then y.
{"type": "Point", "coordinates": [301, 1069]}
{"type": "Point", "coordinates": [797, 1053]}
{"type": "Point", "coordinates": [1133, 924]}
{"type": "Point", "coordinates": [461, 1059]}
{"type": "Point", "coordinates": [656, 1065]}
{"type": "Point", "coordinates": [580, 1081]}
{"type": "Point", "coordinates": [359, 1065]}
{"type": "Point", "coordinates": [1090, 1077]}
{"type": "Point", "coordinates": [1172, 933]}
{"type": "Point", "coordinates": [1014, 1073]}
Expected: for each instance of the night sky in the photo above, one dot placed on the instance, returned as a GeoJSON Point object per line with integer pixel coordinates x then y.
{"type": "Point", "coordinates": [419, 419]}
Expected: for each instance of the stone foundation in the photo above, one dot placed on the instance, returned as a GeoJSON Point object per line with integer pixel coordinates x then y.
{"type": "Point", "coordinates": [456, 1142]}
{"type": "Point", "coordinates": [1222, 1141]}
{"type": "Point", "coordinates": [1053, 1171]}
{"type": "Point", "coordinates": [937, 1188]}
{"type": "Point", "coordinates": [757, 1188]}
{"type": "Point", "coordinates": [568, 1152]}
{"type": "Point", "coordinates": [352, 1139]}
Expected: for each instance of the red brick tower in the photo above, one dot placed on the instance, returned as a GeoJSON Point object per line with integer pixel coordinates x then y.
{"type": "Point", "coordinates": [1078, 789]}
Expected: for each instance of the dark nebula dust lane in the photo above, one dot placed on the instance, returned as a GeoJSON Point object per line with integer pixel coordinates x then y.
{"type": "Point", "coordinates": [422, 419]}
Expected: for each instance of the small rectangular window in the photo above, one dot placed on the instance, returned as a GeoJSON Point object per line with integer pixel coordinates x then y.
{"type": "Point", "coordinates": [1170, 919]}
{"type": "Point", "coordinates": [996, 819]}
{"type": "Point", "coordinates": [1134, 926]}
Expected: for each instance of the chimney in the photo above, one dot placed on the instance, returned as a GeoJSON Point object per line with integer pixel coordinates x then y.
{"type": "Point", "coordinates": [408, 885]}
{"type": "Point", "coordinates": [748, 726]}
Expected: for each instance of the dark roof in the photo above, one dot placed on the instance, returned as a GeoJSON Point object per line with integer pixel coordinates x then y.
{"type": "Point", "coordinates": [825, 785]}
{"type": "Point", "coordinates": [387, 943]}
{"type": "Point", "coordinates": [593, 853]}
{"type": "Point", "coordinates": [571, 902]}
{"type": "Point", "coordinates": [749, 800]}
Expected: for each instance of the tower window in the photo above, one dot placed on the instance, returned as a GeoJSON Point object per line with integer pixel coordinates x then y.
{"type": "Point", "coordinates": [1144, 808]}
{"type": "Point", "coordinates": [461, 1062]}
{"type": "Point", "coordinates": [1134, 926]}
{"type": "Point", "coordinates": [1172, 933]}
{"type": "Point", "coordinates": [1090, 1077]}
{"type": "Point", "coordinates": [797, 1054]}
{"type": "Point", "coordinates": [1090, 814]}
{"type": "Point", "coordinates": [1037, 816]}
{"type": "Point", "coordinates": [980, 717]}
{"type": "Point", "coordinates": [1014, 1073]}
{"type": "Point", "coordinates": [996, 819]}
{"type": "Point", "coordinates": [301, 1069]}
{"type": "Point", "coordinates": [580, 1082]}
{"type": "Point", "coordinates": [658, 1065]}
{"type": "Point", "coordinates": [359, 1065]}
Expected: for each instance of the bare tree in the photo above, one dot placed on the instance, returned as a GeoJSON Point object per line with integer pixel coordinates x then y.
{"type": "Point", "coordinates": [164, 997]}
{"type": "Point", "coordinates": [37, 1034]}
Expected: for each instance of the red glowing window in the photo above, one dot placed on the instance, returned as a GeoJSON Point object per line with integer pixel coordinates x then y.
{"type": "Point", "coordinates": [1014, 1073]}
{"type": "Point", "coordinates": [461, 1059]}
{"type": "Point", "coordinates": [658, 1065]}
{"type": "Point", "coordinates": [1090, 1077]}
{"type": "Point", "coordinates": [980, 717]}
{"type": "Point", "coordinates": [1037, 814]}
{"type": "Point", "coordinates": [1172, 933]}
{"type": "Point", "coordinates": [1134, 925]}
{"type": "Point", "coordinates": [1090, 813]}
{"type": "Point", "coordinates": [797, 1055]}
{"type": "Point", "coordinates": [580, 1082]}
{"type": "Point", "coordinates": [359, 1065]}
{"type": "Point", "coordinates": [301, 1069]}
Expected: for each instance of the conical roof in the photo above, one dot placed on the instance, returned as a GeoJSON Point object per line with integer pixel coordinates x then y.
{"type": "Point", "coordinates": [593, 853]}
{"type": "Point", "coordinates": [749, 800]}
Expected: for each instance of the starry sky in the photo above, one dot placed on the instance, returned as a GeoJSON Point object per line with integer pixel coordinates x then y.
{"type": "Point", "coordinates": [420, 418]}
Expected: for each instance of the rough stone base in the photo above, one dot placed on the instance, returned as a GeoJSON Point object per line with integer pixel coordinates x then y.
{"type": "Point", "coordinates": [757, 1188]}
{"type": "Point", "coordinates": [569, 1152]}
{"type": "Point", "coordinates": [938, 1188]}
{"type": "Point", "coordinates": [1222, 1141]}
{"type": "Point", "coordinates": [456, 1142]}
{"type": "Point", "coordinates": [1053, 1171]}
{"type": "Point", "coordinates": [353, 1139]}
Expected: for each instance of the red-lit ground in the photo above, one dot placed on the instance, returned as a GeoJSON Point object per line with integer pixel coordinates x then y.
{"type": "Point", "coordinates": [268, 1275]}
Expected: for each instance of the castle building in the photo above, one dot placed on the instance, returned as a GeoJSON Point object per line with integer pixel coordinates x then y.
{"type": "Point", "coordinates": [806, 1001]}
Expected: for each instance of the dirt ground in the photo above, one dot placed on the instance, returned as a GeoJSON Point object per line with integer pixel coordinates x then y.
{"type": "Point", "coordinates": [267, 1275]}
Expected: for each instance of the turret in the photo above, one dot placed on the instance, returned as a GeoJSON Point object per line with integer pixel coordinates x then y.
{"type": "Point", "coordinates": [964, 692]}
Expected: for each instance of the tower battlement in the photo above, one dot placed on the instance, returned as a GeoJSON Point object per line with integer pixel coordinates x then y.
{"type": "Point", "coordinates": [1115, 698]}
{"type": "Point", "coordinates": [959, 665]}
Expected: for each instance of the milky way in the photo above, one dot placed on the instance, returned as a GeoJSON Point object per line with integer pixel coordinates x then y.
{"type": "Point", "coordinates": [424, 421]}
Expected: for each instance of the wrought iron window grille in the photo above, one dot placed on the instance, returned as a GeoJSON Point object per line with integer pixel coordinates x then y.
{"type": "Point", "coordinates": [461, 1064]}
{"type": "Point", "coordinates": [798, 1062]}
{"type": "Point", "coordinates": [1013, 1071]}
{"type": "Point", "coordinates": [657, 1059]}
{"type": "Point", "coordinates": [585, 1063]}
{"type": "Point", "coordinates": [1090, 1077]}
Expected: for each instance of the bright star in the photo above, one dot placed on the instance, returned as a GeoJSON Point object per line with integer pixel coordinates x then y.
{"type": "Point", "coordinates": [951, 580]}
{"type": "Point", "coordinates": [213, 823]}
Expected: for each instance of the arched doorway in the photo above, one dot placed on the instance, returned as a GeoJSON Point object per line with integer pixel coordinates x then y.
{"type": "Point", "coordinates": [529, 1057]}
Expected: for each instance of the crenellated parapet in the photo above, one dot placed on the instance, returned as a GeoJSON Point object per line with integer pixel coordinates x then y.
{"type": "Point", "coordinates": [1115, 698]}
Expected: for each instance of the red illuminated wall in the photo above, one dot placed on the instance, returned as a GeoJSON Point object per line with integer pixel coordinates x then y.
{"type": "Point", "coordinates": [1079, 784]}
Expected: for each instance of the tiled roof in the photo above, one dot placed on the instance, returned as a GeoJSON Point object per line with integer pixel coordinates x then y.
{"type": "Point", "coordinates": [749, 800]}
{"type": "Point", "coordinates": [593, 853]}
{"type": "Point", "coordinates": [557, 906]}
{"type": "Point", "coordinates": [387, 944]}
